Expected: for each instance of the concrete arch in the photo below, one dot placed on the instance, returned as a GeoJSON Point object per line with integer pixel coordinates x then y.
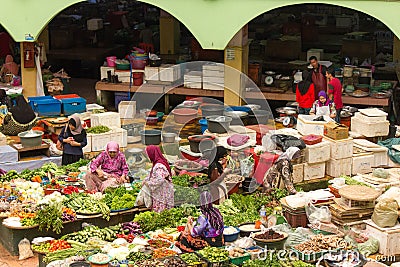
{"type": "Point", "coordinates": [208, 19]}
{"type": "Point", "coordinates": [22, 17]}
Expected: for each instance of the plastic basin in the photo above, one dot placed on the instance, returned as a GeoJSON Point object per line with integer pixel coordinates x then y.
{"type": "Point", "coordinates": [184, 115]}
{"type": "Point", "coordinates": [150, 137]}
{"type": "Point", "coordinates": [31, 138]}
{"type": "Point", "coordinates": [212, 110]}
{"type": "Point", "coordinates": [218, 124]}
{"type": "Point", "coordinates": [195, 140]}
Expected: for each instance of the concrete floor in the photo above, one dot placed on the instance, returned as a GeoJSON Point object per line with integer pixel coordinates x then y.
{"type": "Point", "coordinates": [6, 260]}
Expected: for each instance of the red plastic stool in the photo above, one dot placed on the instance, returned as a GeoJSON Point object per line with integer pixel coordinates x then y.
{"type": "Point", "coordinates": [147, 47]}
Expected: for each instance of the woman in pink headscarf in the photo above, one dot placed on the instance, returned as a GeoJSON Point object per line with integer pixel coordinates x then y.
{"type": "Point", "coordinates": [159, 180]}
{"type": "Point", "coordinates": [9, 66]}
{"type": "Point", "coordinates": [108, 169]}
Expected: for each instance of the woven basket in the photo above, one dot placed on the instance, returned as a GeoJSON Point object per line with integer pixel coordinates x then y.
{"type": "Point", "coordinates": [359, 193]}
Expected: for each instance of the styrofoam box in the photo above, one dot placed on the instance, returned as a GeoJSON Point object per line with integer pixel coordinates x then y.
{"type": "Point", "coordinates": [338, 167]}
{"type": "Point", "coordinates": [127, 109]}
{"type": "Point", "coordinates": [88, 147]}
{"type": "Point", "coordinates": [99, 141]}
{"type": "Point", "coordinates": [340, 149]}
{"type": "Point", "coordinates": [94, 24]}
{"type": "Point", "coordinates": [170, 73]}
{"type": "Point", "coordinates": [306, 125]}
{"type": "Point", "coordinates": [388, 238]}
{"type": "Point", "coordinates": [370, 129]}
{"type": "Point", "coordinates": [320, 152]}
{"type": "Point", "coordinates": [103, 72]}
{"type": "Point", "coordinates": [314, 171]}
{"type": "Point", "coordinates": [298, 173]}
{"type": "Point", "coordinates": [214, 67]}
{"type": "Point", "coordinates": [213, 73]}
{"type": "Point", "coordinates": [8, 154]}
{"type": "Point", "coordinates": [217, 80]}
{"type": "Point", "coordinates": [193, 76]}
{"type": "Point", "coordinates": [123, 75]}
{"type": "Point", "coordinates": [215, 87]}
{"type": "Point", "coordinates": [110, 119]}
{"type": "Point", "coordinates": [94, 106]}
{"type": "Point", "coordinates": [196, 85]}
{"type": "Point", "coordinates": [362, 163]}
{"type": "Point", "coordinates": [151, 73]}
{"type": "Point", "coordinates": [120, 136]}
{"type": "Point", "coordinates": [369, 119]}
{"type": "Point", "coordinates": [381, 157]}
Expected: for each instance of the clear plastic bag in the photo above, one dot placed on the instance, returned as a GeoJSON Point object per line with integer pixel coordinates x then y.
{"type": "Point", "coordinates": [24, 247]}
{"type": "Point", "coordinates": [315, 214]}
{"type": "Point", "coordinates": [247, 166]}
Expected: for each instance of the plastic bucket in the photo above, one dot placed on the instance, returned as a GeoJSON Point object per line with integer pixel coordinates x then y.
{"type": "Point", "coordinates": [111, 61]}
{"type": "Point", "coordinates": [139, 64]}
{"type": "Point", "coordinates": [137, 78]}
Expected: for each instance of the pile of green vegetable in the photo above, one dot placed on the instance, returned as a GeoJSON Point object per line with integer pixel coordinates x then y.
{"type": "Point", "coordinates": [186, 188]}
{"type": "Point", "coordinates": [151, 221]}
{"type": "Point", "coordinates": [87, 204]}
{"type": "Point", "coordinates": [77, 249]}
{"type": "Point", "coordinates": [98, 129]}
{"type": "Point", "coordinates": [351, 181]}
{"type": "Point", "coordinates": [49, 217]}
{"type": "Point", "coordinates": [213, 254]}
{"type": "Point", "coordinates": [74, 167]}
{"type": "Point", "coordinates": [106, 234]}
{"type": "Point", "coordinates": [120, 198]}
{"type": "Point", "coordinates": [138, 256]}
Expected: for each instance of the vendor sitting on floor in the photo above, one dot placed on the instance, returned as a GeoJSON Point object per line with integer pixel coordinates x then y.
{"type": "Point", "coordinates": [19, 118]}
{"type": "Point", "coordinates": [210, 224]}
{"type": "Point", "coordinates": [107, 170]}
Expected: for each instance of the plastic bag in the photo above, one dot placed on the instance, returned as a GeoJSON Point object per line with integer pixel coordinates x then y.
{"type": "Point", "coordinates": [393, 193]}
{"type": "Point", "coordinates": [385, 213]}
{"type": "Point", "coordinates": [286, 141]}
{"type": "Point", "coordinates": [315, 214]}
{"type": "Point", "coordinates": [247, 166]}
{"type": "Point", "coordinates": [24, 247]}
{"type": "Point", "coordinates": [369, 247]}
{"type": "Point", "coordinates": [299, 236]}
{"type": "Point", "coordinates": [144, 197]}
{"type": "Point", "coordinates": [267, 142]}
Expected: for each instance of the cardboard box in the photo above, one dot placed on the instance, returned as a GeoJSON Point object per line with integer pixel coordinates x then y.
{"type": "Point", "coordinates": [336, 131]}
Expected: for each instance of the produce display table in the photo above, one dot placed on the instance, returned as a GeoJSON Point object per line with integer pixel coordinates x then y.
{"type": "Point", "coordinates": [10, 237]}
{"type": "Point", "coordinates": [29, 151]}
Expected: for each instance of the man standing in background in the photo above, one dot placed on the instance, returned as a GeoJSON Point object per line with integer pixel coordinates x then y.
{"type": "Point", "coordinates": [318, 76]}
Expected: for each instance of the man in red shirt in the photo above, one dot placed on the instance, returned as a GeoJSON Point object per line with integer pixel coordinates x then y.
{"type": "Point", "coordinates": [335, 91]}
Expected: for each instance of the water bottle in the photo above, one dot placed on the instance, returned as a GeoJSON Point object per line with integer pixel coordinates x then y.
{"type": "Point", "coordinates": [263, 215]}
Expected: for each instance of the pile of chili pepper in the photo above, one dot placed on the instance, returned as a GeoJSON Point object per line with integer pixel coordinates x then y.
{"type": "Point", "coordinates": [128, 238]}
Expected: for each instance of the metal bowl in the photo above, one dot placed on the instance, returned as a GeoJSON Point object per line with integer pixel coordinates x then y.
{"type": "Point", "coordinates": [235, 114]}
{"type": "Point", "coordinates": [286, 110]}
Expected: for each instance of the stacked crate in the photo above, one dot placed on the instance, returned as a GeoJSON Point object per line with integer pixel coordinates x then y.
{"type": "Point", "coordinates": [193, 79]}
{"type": "Point", "coordinates": [316, 157]}
{"type": "Point", "coordinates": [213, 76]}
{"type": "Point", "coordinates": [370, 122]}
{"type": "Point", "coordinates": [341, 153]}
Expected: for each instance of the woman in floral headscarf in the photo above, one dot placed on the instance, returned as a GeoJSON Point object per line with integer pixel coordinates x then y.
{"type": "Point", "coordinates": [210, 224]}
{"type": "Point", "coordinates": [159, 180]}
{"type": "Point", "coordinates": [108, 169]}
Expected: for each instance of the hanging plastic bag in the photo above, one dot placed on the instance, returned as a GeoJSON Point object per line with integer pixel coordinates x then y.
{"type": "Point", "coordinates": [144, 197]}
{"type": "Point", "coordinates": [247, 166]}
{"type": "Point", "coordinates": [315, 214]}
{"type": "Point", "coordinates": [385, 213]}
{"type": "Point", "coordinates": [24, 247]}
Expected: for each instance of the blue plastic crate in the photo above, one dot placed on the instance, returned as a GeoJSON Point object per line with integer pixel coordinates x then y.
{"type": "Point", "coordinates": [121, 96]}
{"type": "Point", "coordinates": [47, 107]}
{"type": "Point", "coordinates": [73, 105]}
{"type": "Point", "coordinates": [33, 99]}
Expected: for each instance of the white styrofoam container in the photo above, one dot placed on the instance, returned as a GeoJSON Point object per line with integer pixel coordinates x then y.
{"type": "Point", "coordinates": [123, 75]}
{"type": "Point", "coordinates": [306, 125]}
{"type": "Point", "coordinates": [381, 157]}
{"type": "Point", "coordinates": [88, 147]}
{"type": "Point", "coordinates": [314, 171]}
{"type": "Point", "coordinates": [213, 86]}
{"type": "Point", "coordinates": [151, 73]}
{"type": "Point", "coordinates": [169, 73]}
{"type": "Point", "coordinates": [239, 129]}
{"type": "Point", "coordinates": [369, 119]}
{"type": "Point", "coordinates": [99, 141]}
{"type": "Point", "coordinates": [214, 67]}
{"type": "Point", "coordinates": [362, 163]}
{"type": "Point", "coordinates": [120, 136]}
{"type": "Point", "coordinates": [110, 119]}
{"type": "Point", "coordinates": [213, 73]}
{"type": "Point", "coordinates": [196, 85]}
{"type": "Point", "coordinates": [320, 152]}
{"type": "Point", "coordinates": [127, 109]}
{"type": "Point", "coordinates": [370, 129]}
{"type": "Point", "coordinates": [338, 167]}
{"type": "Point", "coordinates": [217, 80]}
{"type": "Point", "coordinates": [103, 71]}
{"type": "Point", "coordinates": [388, 238]}
{"type": "Point", "coordinates": [93, 106]}
{"type": "Point", "coordinates": [298, 173]}
{"type": "Point", "coordinates": [340, 149]}
{"type": "Point", "coordinates": [94, 24]}
{"type": "Point", "coordinates": [8, 154]}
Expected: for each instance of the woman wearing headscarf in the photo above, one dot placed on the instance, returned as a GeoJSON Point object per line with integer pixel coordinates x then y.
{"type": "Point", "coordinates": [210, 224]}
{"type": "Point", "coordinates": [9, 66]}
{"type": "Point", "coordinates": [323, 106]}
{"type": "Point", "coordinates": [5, 102]}
{"type": "Point", "coordinates": [109, 169]}
{"type": "Point", "coordinates": [280, 173]}
{"type": "Point", "coordinates": [216, 172]}
{"type": "Point", "coordinates": [19, 118]}
{"type": "Point", "coordinates": [159, 180]}
{"type": "Point", "coordinates": [73, 139]}
{"type": "Point", "coordinates": [305, 93]}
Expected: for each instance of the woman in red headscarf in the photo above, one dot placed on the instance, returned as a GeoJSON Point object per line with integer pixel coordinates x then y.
{"type": "Point", "coordinates": [159, 180]}
{"type": "Point", "coordinates": [108, 169]}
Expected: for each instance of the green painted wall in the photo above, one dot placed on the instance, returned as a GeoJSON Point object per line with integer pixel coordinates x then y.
{"type": "Point", "coordinates": [21, 17]}
{"type": "Point", "coordinates": [212, 22]}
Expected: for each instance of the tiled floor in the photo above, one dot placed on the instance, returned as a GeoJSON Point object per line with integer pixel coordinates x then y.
{"type": "Point", "coordinates": [6, 260]}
